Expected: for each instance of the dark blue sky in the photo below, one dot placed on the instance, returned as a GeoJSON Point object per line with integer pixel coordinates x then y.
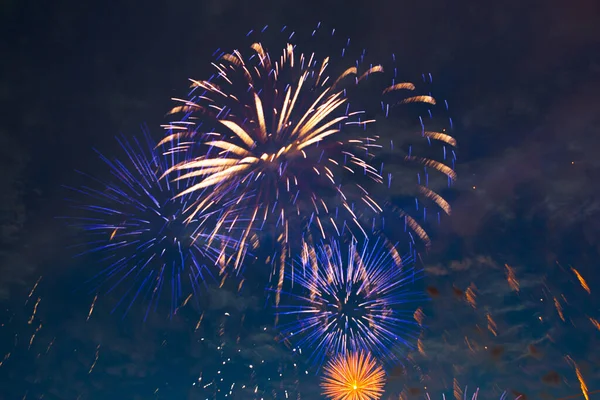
{"type": "Point", "coordinates": [522, 80]}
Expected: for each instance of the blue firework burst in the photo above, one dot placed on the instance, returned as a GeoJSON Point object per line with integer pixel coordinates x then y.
{"type": "Point", "coordinates": [352, 298]}
{"type": "Point", "coordinates": [133, 223]}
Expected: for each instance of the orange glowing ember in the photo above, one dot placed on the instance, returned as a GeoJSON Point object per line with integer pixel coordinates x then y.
{"type": "Point", "coordinates": [356, 376]}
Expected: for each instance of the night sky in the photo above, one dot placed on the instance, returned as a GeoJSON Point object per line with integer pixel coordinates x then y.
{"type": "Point", "coordinates": [522, 79]}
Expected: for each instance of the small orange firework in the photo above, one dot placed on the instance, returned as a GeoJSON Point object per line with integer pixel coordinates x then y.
{"type": "Point", "coordinates": [355, 376]}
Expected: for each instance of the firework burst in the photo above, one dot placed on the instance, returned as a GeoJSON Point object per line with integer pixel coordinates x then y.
{"type": "Point", "coordinates": [135, 225]}
{"type": "Point", "coordinates": [352, 301]}
{"type": "Point", "coordinates": [277, 141]}
{"type": "Point", "coordinates": [354, 376]}
{"type": "Point", "coordinates": [279, 136]}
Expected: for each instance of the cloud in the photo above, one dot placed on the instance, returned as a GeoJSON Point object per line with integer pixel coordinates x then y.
{"type": "Point", "coordinates": [133, 356]}
{"type": "Point", "coordinates": [504, 339]}
{"type": "Point", "coordinates": [555, 161]}
{"type": "Point", "coordinates": [229, 299]}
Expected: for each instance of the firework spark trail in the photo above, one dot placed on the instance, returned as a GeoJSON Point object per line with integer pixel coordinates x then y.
{"type": "Point", "coordinates": [511, 278]}
{"type": "Point", "coordinates": [91, 308]}
{"type": "Point", "coordinates": [33, 290]}
{"type": "Point", "coordinates": [595, 323]}
{"type": "Point", "coordinates": [458, 392]}
{"type": "Point", "coordinates": [35, 307]}
{"type": "Point", "coordinates": [33, 335]}
{"type": "Point", "coordinates": [582, 281]}
{"type": "Point", "coordinates": [584, 388]}
{"type": "Point", "coordinates": [492, 327]}
{"type": "Point", "coordinates": [6, 357]}
{"type": "Point", "coordinates": [275, 135]}
{"type": "Point", "coordinates": [95, 359]}
{"type": "Point", "coordinates": [354, 301]}
{"type": "Point", "coordinates": [50, 344]}
{"type": "Point", "coordinates": [354, 376]}
{"type": "Point", "coordinates": [440, 136]}
{"type": "Point", "coordinates": [582, 384]}
{"type": "Point", "coordinates": [135, 225]}
{"type": "Point", "coordinates": [559, 309]}
{"type": "Point", "coordinates": [278, 152]}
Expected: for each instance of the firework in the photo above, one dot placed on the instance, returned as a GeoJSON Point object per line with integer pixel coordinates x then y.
{"type": "Point", "coordinates": [135, 226]}
{"type": "Point", "coordinates": [278, 138]}
{"type": "Point", "coordinates": [355, 376]}
{"type": "Point", "coordinates": [352, 301]}
{"type": "Point", "coordinates": [434, 152]}
{"type": "Point", "coordinates": [27, 346]}
{"type": "Point", "coordinates": [283, 139]}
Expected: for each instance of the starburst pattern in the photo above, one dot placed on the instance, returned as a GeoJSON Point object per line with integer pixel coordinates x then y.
{"type": "Point", "coordinates": [278, 137]}
{"type": "Point", "coordinates": [356, 299]}
{"type": "Point", "coordinates": [276, 143]}
{"type": "Point", "coordinates": [134, 225]}
{"type": "Point", "coordinates": [356, 376]}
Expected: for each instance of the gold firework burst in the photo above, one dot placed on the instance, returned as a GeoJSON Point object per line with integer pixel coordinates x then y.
{"type": "Point", "coordinates": [278, 149]}
{"type": "Point", "coordinates": [355, 376]}
{"type": "Point", "coordinates": [273, 147]}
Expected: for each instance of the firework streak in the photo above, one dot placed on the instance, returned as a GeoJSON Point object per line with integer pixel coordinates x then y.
{"type": "Point", "coordinates": [134, 224]}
